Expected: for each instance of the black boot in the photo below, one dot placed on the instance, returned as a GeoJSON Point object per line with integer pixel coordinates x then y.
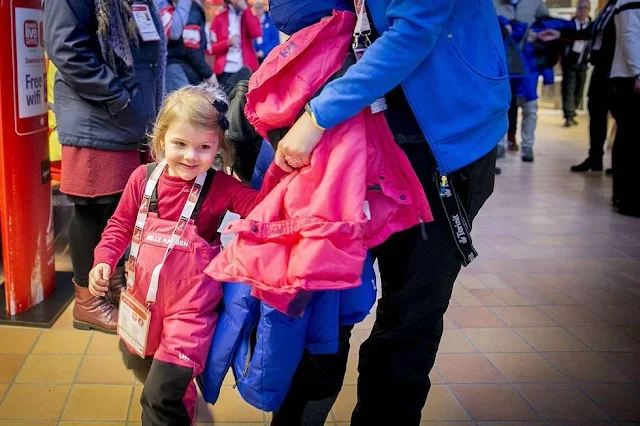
{"type": "Point", "coordinates": [588, 164]}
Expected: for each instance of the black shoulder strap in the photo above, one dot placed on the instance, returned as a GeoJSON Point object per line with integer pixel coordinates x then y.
{"type": "Point", "coordinates": [153, 202]}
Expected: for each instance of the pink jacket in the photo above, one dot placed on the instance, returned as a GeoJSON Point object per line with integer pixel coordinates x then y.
{"type": "Point", "coordinates": [312, 231]}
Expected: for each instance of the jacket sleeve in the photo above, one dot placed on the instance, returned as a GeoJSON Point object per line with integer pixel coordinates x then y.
{"type": "Point", "coordinates": [219, 46]}
{"type": "Point", "coordinates": [119, 230]}
{"type": "Point", "coordinates": [374, 75]}
{"type": "Point", "coordinates": [243, 198]}
{"type": "Point", "coordinates": [628, 28]}
{"type": "Point", "coordinates": [195, 58]}
{"type": "Point", "coordinates": [71, 48]}
{"type": "Point", "coordinates": [251, 24]}
{"type": "Point", "coordinates": [179, 15]}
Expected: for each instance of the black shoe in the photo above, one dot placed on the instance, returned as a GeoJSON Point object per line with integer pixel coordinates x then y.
{"type": "Point", "coordinates": [573, 122]}
{"type": "Point", "coordinates": [567, 123]}
{"type": "Point", "coordinates": [625, 211]}
{"type": "Point", "coordinates": [588, 164]}
{"type": "Point", "coordinates": [609, 172]}
{"type": "Point", "coordinates": [498, 170]}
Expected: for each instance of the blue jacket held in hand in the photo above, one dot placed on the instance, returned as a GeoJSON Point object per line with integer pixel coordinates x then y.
{"type": "Point", "coordinates": [449, 58]}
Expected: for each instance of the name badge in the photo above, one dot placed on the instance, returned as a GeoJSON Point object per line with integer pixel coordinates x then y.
{"type": "Point", "coordinates": [145, 23]}
{"type": "Point", "coordinates": [133, 323]}
{"type": "Point", "coordinates": [579, 46]}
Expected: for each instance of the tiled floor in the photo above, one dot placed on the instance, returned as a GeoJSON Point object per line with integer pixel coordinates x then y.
{"type": "Point", "coordinates": [544, 329]}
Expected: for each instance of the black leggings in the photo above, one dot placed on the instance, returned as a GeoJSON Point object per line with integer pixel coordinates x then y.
{"type": "Point", "coordinates": [85, 229]}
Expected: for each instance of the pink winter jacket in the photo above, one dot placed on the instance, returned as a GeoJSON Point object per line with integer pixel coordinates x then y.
{"type": "Point", "coordinates": [312, 231]}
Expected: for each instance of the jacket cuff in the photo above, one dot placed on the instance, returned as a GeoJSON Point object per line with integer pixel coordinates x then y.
{"type": "Point", "coordinates": [320, 120]}
{"type": "Point", "coordinates": [114, 107]}
{"type": "Point", "coordinates": [102, 256]}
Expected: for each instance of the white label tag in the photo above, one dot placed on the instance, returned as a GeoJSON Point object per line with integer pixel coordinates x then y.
{"type": "Point", "coordinates": [133, 323]}
{"type": "Point", "coordinates": [367, 209]}
{"type": "Point", "coordinates": [145, 23]}
{"type": "Point", "coordinates": [229, 217]}
{"type": "Point", "coordinates": [579, 46]}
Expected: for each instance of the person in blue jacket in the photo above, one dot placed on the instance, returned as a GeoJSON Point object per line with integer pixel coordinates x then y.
{"type": "Point", "coordinates": [270, 37]}
{"type": "Point", "coordinates": [441, 66]}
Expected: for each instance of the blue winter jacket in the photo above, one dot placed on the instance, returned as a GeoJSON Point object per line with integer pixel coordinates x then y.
{"type": "Point", "coordinates": [270, 37]}
{"type": "Point", "coordinates": [449, 58]}
{"type": "Point", "coordinates": [262, 346]}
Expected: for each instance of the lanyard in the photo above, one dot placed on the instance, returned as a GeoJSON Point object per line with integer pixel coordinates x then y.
{"type": "Point", "coordinates": [361, 42]}
{"type": "Point", "coordinates": [178, 230]}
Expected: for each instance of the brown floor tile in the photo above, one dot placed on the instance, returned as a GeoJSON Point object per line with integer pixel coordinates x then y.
{"type": "Point", "coordinates": [28, 423]}
{"type": "Point", "coordinates": [525, 368]}
{"type": "Point", "coordinates": [621, 400]}
{"type": "Point", "coordinates": [467, 368]}
{"type": "Point", "coordinates": [491, 281]}
{"type": "Point", "coordinates": [50, 368]}
{"type": "Point", "coordinates": [545, 296]}
{"type": "Point", "coordinates": [631, 331]}
{"type": "Point", "coordinates": [493, 402]}
{"type": "Point", "coordinates": [511, 297]}
{"type": "Point", "coordinates": [479, 317]}
{"type": "Point", "coordinates": [135, 410]}
{"type": "Point", "coordinates": [497, 340]}
{"type": "Point", "coordinates": [3, 390]}
{"type": "Point", "coordinates": [230, 407]}
{"type": "Point", "coordinates": [10, 365]}
{"type": "Point", "coordinates": [435, 378]}
{"type": "Point", "coordinates": [454, 341]}
{"type": "Point", "coordinates": [618, 315]}
{"type": "Point", "coordinates": [560, 402]}
{"type": "Point", "coordinates": [104, 369]}
{"type": "Point", "coordinates": [550, 339]}
{"type": "Point", "coordinates": [17, 340]}
{"type": "Point", "coordinates": [448, 323]}
{"type": "Point", "coordinates": [442, 405]}
{"type": "Point", "coordinates": [62, 342]}
{"type": "Point", "coordinates": [92, 423]}
{"type": "Point", "coordinates": [237, 424]}
{"type": "Point", "coordinates": [65, 321]}
{"type": "Point", "coordinates": [28, 401]}
{"type": "Point", "coordinates": [568, 316]}
{"type": "Point", "coordinates": [367, 323]}
{"type": "Point", "coordinates": [605, 339]}
{"type": "Point", "coordinates": [83, 402]}
{"type": "Point", "coordinates": [626, 362]}
{"type": "Point", "coordinates": [585, 367]}
{"type": "Point", "coordinates": [351, 376]}
{"type": "Point", "coordinates": [345, 403]}
{"type": "Point", "coordinates": [463, 297]}
{"type": "Point", "coordinates": [488, 297]}
{"type": "Point", "coordinates": [470, 282]}
{"type": "Point", "coordinates": [523, 316]}
{"type": "Point", "coordinates": [102, 344]}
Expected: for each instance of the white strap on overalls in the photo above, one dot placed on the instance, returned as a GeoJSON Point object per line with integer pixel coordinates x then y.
{"type": "Point", "coordinates": [178, 230]}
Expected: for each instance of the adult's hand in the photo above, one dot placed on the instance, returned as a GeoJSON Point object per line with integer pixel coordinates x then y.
{"type": "Point", "coordinates": [548, 35]}
{"type": "Point", "coordinates": [234, 41]}
{"type": "Point", "coordinates": [294, 150]}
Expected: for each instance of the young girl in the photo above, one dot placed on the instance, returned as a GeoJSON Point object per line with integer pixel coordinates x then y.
{"type": "Point", "coordinates": [169, 213]}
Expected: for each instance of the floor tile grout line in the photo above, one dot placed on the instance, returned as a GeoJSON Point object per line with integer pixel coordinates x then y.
{"type": "Point", "coordinates": [75, 376]}
{"type": "Point", "coordinates": [13, 382]}
{"type": "Point", "coordinates": [455, 397]}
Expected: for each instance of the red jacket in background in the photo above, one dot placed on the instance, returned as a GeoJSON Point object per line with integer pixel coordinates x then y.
{"type": "Point", "coordinates": [249, 29]}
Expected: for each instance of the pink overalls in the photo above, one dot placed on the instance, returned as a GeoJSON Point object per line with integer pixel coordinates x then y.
{"type": "Point", "coordinates": [183, 314]}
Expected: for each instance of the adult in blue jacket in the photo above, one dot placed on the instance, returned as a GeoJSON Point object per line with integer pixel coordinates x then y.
{"type": "Point", "coordinates": [441, 66]}
{"type": "Point", "coordinates": [270, 37]}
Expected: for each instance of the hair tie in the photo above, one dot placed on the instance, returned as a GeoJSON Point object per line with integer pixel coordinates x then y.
{"type": "Point", "coordinates": [222, 109]}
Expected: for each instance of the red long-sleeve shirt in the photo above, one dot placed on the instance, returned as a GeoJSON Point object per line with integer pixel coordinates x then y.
{"type": "Point", "coordinates": [225, 193]}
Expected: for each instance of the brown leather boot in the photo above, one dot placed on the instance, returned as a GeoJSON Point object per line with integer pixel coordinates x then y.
{"type": "Point", "coordinates": [91, 312]}
{"type": "Point", "coordinates": [117, 283]}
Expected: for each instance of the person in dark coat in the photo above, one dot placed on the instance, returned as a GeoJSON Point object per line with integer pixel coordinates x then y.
{"type": "Point", "coordinates": [108, 90]}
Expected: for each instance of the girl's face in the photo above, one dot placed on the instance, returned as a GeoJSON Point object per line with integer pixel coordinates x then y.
{"type": "Point", "coordinates": [188, 150]}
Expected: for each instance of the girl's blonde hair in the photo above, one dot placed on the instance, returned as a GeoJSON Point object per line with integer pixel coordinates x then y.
{"type": "Point", "coordinates": [195, 105]}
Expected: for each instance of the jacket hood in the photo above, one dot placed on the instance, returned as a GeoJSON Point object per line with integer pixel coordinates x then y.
{"type": "Point", "coordinates": [286, 81]}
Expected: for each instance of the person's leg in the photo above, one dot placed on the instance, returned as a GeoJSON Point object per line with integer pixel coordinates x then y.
{"type": "Point", "coordinates": [569, 81]}
{"type": "Point", "coordinates": [175, 78]}
{"type": "Point", "coordinates": [315, 387]}
{"type": "Point", "coordinates": [529, 123]}
{"type": "Point", "coordinates": [417, 276]}
{"type": "Point", "coordinates": [85, 230]}
{"type": "Point", "coordinates": [598, 106]}
{"type": "Point", "coordinates": [512, 115]}
{"type": "Point", "coordinates": [581, 76]}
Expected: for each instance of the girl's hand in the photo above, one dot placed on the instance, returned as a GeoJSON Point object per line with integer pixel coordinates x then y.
{"type": "Point", "coordinates": [294, 150]}
{"type": "Point", "coordinates": [99, 279]}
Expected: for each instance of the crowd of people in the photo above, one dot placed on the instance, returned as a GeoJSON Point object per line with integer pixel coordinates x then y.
{"type": "Point", "coordinates": [351, 164]}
